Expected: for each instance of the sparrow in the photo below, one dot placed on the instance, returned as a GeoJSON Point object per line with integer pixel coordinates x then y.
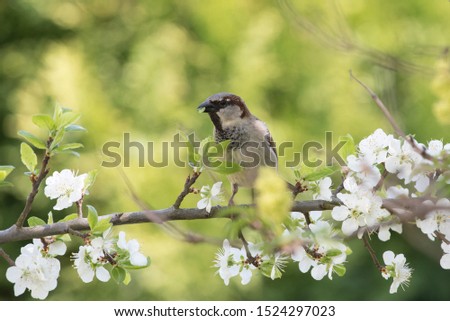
{"type": "Point", "coordinates": [251, 144]}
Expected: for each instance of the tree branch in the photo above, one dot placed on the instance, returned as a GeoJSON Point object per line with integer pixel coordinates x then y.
{"type": "Point", "coordinates": [36, 181]}
{"type": "Point", "coordinates": [190, 180]}
{"type": "Point", "coordinates": [410, 210]}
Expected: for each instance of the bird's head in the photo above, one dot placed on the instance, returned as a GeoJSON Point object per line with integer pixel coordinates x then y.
{"type": "Point", "coordinates": [224, 109]}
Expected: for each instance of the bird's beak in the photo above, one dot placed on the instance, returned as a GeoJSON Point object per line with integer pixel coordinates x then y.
{"type": "Point", "coordinates": [206, 107]}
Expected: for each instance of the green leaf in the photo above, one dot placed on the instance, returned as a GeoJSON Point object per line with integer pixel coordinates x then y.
{"type": "Point", "coordinates": [5, 170]}
{"type": "Point", "coordinates": [57, 139]}
{"type": "Point", "coordinates": [101, 226]}
{"type": "Point", "coordinates": [92, 216]}
{"type": "Point", "coordinates": [35, 221]}
{"type": "Point", "coordinates": [340, 270]}
{"type": "Point", "coordinates": [90, 179]}
{"type": "Point", "coordinates": [50, 218]}
{"type": "Point", "coordinates": [67, 118]}
{"type": "Point", "coordinates": [44, 122]}
{"type": "Point", "coordinates": [28, 157]}
{"type": "Point", "coordinates": [69, 217]}
{"type": "Point", "coordinates": [333, 252]}
{"type": "Point", "coordinates": [69, 146]}
{"type": "Point", "coordinates": [320, 173]}
{"type": "Point", "coordinates": [127, 279]}
{"type": "Point", "coordinates": [349, 147]}
{"type": "Point", "coordinates": [193, 156]}
{"type": "Point", "coordinates": [118, 274]}
{"type": "Point", "coordinates": [75, 128]}
{"type": "Point", "coordinates": [33, 140]}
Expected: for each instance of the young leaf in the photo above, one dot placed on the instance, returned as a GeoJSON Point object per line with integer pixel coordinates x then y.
{"type": "Point", "coordinates": [28, 157]}
{"type": "Point", "coordinates": [193, 156]}
{"type": "Point", "coordinates": [33, 140]}
{"type": "Point", "coordinates": [57, 139]}
{"type": "Point", "coordinates": [90, 179]}
{"type": "Point", "coordinates": [349, 147]}
{"type": "Point", "coordinates": [66, 119]}
{"type": "Point", "coordinates": [333, 252]}
{"type": "Point", "coordinates": [35, 221]}
{"type": "Point", "coordinates": [320, 173]}
{"type": "Point", "coordinates": [118, 274]}
{"type": "Point", "coordinates": [69, 217]}
{"type": "Point", "coordinates": [69, 146]}
{"type": "Point", "coordinates": [5, 171]}
{"type": "Point", "coordinates": [4, 184]}
{"type": "Point", "coordinates": [339, 269]}
{"type": "Point", "coordinates": [92, 216]}
{"type": "Point", "coordinates": [50, 218]}
{"type": "Point", "coordinates": [101, 226]}
{"type": "Point", "coordinates": [127, 279]}
{"type": "Point", "coordinates": [75, 128]}
{"type": "Point", "coordinates": [44, 122]}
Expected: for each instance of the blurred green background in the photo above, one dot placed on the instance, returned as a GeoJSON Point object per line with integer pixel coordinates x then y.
{"type": "Point", "coordinates": [142, 67]}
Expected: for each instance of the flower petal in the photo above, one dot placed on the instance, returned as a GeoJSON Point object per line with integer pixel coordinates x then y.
{"type": "Point", "coordinates": [102, 274]}
{"type": "Point", "coordinates": [388, 257]}
{"type": "Point", "coordinates": [138, 259]}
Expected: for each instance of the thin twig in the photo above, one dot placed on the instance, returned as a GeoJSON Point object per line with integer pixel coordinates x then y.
{"type": "Point", "coordinates": [372, 253]}
{"type": "Point", "coordinates": [420, 150]}
{"type": "Point", "coordinates": [381, 181]}
{"type": "Point", "coordinates": [35, 187]}
{"type": "Point", "coordinates": [7, 258]}
{"type": "Point", "coordinates": [307, 218]}
{"type": "Point", "coordinates": [442, 237]}
{"type": "Point", "coordinates": [79, 205]}
{"type": "Point", "coordinates": [190, 180]}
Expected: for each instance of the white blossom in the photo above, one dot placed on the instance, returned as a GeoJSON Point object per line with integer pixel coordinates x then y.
{"type": "Point", "coordinates": [374, 147]}
{"type": "Point", "coordinates": [435, 148]}
{"type": "Point", "coordinates": [397, 192]}
{"type": "Point", "coordinates": [87, 268]}
{"type": "Point", "coordinates": [436, 220]}
{"type": "Point", "coordinates": [210, 196]}
{"type": "Point", "coordinates": [323, 189]}
{"type": "Point", "coordinates": [397, 269]}
{"type": "Point", "coordinates": [34, 270]}
{"type": "Point", "coordinates": [363, 175]}
{"type": "Point", "coordinates": [445, 260]}
{"type": "Point", "coordinates": [226, 260]}
{"type": "Point", "coordinates": [352, 212]}
{"type": "Point", "coordinates": [384, 233]}
{"type": "Point", "coordinates": [65, 187]}
{"type": "Point", "coordinates": [400, 160]}
{"type": "Point", "coordinates": [323, 254]}
{"type": "Point", "coordinates": [132, 247]}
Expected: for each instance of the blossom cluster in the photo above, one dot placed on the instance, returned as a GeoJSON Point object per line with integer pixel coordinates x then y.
{"type": "Point", "coordinates": [36, 268]}
{"type": "Point", "coordinates": [91, 259]}
{"type": "Point", "coordinates": [380, 167]}
{"type": "Point", "coordinates": [321, 250]}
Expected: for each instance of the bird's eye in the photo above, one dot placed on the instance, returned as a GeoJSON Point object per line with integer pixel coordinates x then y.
{"type": "Point", "coordinates": [223, 103]}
